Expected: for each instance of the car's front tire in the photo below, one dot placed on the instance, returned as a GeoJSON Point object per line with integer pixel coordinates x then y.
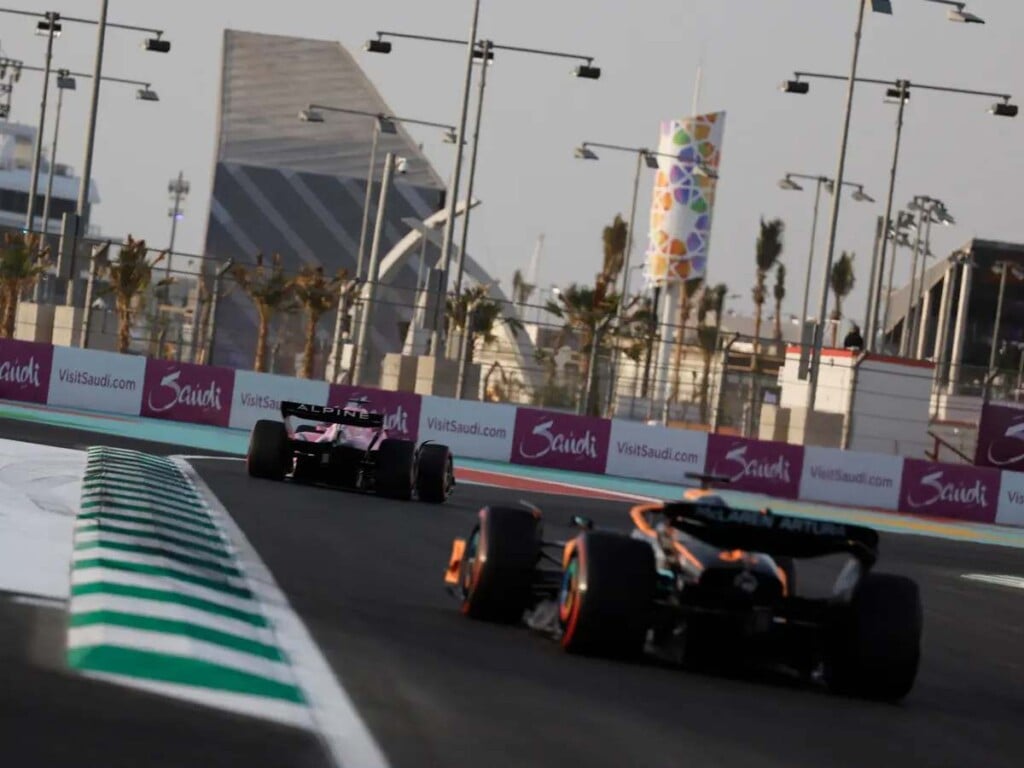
{"type": "Point", "coordinates": [498, 564]}
{"type": "Point", "coordinates": [268, 455]}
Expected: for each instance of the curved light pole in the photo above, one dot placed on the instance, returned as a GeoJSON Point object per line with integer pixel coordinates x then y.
{"type": "Point", "coordinates": [383, 123]}
{"type": "Point", "coordinates": [475, 50]}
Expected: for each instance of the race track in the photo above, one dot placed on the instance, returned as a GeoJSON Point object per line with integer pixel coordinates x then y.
{"type": "Point", "coordinates": [365, 575]}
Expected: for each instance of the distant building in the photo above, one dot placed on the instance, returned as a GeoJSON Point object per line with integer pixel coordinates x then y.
{"type": "Point", "coordinates": [17, 145]}
{"type": "Point", "coordinates": [960, 294]}
{"type": "Point", "coordinates": [296, 188]}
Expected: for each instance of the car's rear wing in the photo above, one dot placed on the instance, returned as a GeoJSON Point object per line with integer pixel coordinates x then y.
{"type": "Point", "coordinates": [353, 417]}
{"type": "Point", "coordinates": [765, 531]}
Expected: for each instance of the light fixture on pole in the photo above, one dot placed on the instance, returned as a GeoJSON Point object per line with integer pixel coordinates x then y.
{"type": "Point", "coordinates": [897, 90]}
{"type": "Point", "coordinates": [957, 12]}
{"type": "Point", "coordinates": [797, 86]}
{"type": "Point", "coordinates": [789, 183]}
{"type": "Point", "coordinates": [933, 212]}
{"type": "Point", "coordinates": [383, 124]}
{"type": "Point", "coordinates": [178, 190]}
{"type": "Point", "coordinates": [373, 276]}
{"type": "Point", "coordinates": [50, 27]}
{"type": "Point", "coordinates": [902, 96]}
{"type": "Point", "coordinates": [485, 51]}
{"type": "Point", "coordinates": [586, 71]}
{"type": "Point", "coordinates": [81, 219]}
{"type": "Point", "coordinates": [65, 82]}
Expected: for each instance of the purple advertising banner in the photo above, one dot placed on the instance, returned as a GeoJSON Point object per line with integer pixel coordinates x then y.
{"type": "Point", "coordinates": [756, 466]}
{"type": "Point", "coordinates": [955, 491]}
{"type": "Point", "coordinates": [401, 409]}
{"type": "Point", "coordinates": [25, 370]}
{"type": "Point", "coordinates": [200, 394]}
{"type": "Point", "coordinates": [1001, 437]}
{"type": "Point", "coordinates": [560, 441]}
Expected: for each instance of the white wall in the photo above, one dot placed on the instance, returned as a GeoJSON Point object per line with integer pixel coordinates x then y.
{"type": "Point", "coordinates": [835, 375]}
{"type": "Point", "coordinates": [891, 407]}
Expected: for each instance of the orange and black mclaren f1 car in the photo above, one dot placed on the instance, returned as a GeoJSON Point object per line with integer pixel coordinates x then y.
{"type": "Point", "coordinates": [701, 583]}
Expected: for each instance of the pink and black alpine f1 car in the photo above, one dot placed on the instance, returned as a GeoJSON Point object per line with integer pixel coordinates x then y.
{"type": "Point", "coordinates": [348, 447]}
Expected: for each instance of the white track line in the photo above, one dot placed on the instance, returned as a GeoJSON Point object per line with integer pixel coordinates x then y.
{"type": "Point", "coordinates": [339, 724]}
{"type": "Point", "coordinates": [1002, 581]}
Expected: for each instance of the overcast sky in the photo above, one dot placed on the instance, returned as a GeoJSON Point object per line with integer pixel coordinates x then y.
{"type": "Point", "coordinates": [535, 113]}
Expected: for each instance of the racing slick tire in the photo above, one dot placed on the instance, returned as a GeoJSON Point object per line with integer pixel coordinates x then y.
{"type": "Point", "coordinates": [394, 469]}
{"type": "Point", "coordinates": [607, 588]}
{"type": "Point", "coordinates": [268, 453]}
{"type": "Point", "coordinates": [434, 473]}
{"type": "Point", "coordinates": [498, 564]}
{"type": "Point", "coordinates": [875, 640]}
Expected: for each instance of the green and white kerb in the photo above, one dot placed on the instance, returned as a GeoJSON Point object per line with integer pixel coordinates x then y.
{"type": "Point", "coordinates": [158, 596]}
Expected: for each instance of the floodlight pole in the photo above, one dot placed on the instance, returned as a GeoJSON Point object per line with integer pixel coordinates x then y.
{"type": "Point", "coordinates": [624, 295]}
{"type": "Point", "coordinates": [869, 337]}
{"type": "Point", "coordinates": [437, 338]}
{"type": "Point", "coordinates": [486, 46]}
{"type": "Point", "coordinates": [33, 185]}
{"type": "Point", "coordinates": [819, 332]}
{"type": "Point", "coordinates": [370, 286]}
{"type": "Point", "coordinates": [53, 159]}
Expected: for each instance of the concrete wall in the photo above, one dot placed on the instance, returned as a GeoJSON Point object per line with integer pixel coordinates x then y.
{"type": "Point", "coordinates": [891, 405]}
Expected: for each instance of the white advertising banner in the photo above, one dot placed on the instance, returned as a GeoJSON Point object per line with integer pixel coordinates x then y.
{"type": "Point", "coordinates": [97, 381]}
{"type": "Point", "coordinates": [470, 429]}
{"type": "Point", "coordinates": [1011, 499]}
{"type": "Point", "coordinates": [650, 452]}
{"type": "Point", "coordinates": [259, 395]}
{"type": "Point", "coordinates": [851, 477]}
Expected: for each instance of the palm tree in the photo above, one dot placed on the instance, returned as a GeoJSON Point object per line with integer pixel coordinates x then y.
{"type": "Point", "coordinates": [767, 252]}
{"type": "Point", "coordinates": [780, 295]}
{"type": "Point", "coordinates": [712, 301]}
{"type": "Point", "coordinates": [687, 291]}
{"type": "Point", "coordinates": [583, 315]}
{"type": "Point", "coordinates": [272, 292]}
{"type": "Point", "coordinates": [841, 280]}
{"type": "Point", "coordinates": [129, 278]}
{"type": "Point", "coordinates": [317, 294]}
{"type": "Point", "coordinates": [615, 239]}
{"type": "Point", "coordinates": [22, 261]}
{"type": "Point", "coordinates": [483, 314]}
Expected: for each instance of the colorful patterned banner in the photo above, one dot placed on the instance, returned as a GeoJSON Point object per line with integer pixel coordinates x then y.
{"type": "Point", "coordinates": [684, 195]}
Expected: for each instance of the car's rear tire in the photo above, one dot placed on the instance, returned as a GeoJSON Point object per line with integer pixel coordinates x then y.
{"type": "Point", "coordinates": [605, 600]}
{"type": "Point", "coordinates": [268, 455]}
{"type": "Point", "coordinates": [498, 564]}
{"type": "Point", "coordinates": [434, 473]}
{"type": "Point", "coordinates": [874, 643]}
{"type": "Point", "coordinates": [395, 469]}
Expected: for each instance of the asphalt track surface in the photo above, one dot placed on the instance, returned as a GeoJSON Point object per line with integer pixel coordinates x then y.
{"type": "Point", "coordinates": [365, 575]}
